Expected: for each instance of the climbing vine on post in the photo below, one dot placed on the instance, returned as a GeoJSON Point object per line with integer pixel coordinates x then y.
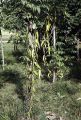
{"type": "Point", "coordinates": [34, 71]}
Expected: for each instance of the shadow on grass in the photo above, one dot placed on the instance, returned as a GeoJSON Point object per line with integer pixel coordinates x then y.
{"type": "Point", "coordinates": [18, 55]}
{"type": "Point", "coordinates": [14, 76]}
{"type": "Point", "coordinates": [75, 73]}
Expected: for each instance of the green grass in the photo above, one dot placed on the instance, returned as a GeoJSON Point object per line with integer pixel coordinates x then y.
{"type": "Point", "coordinates": [8, 57]}
{"type": "Point", "coordinates": [10, 103]}
{"type": "Point", "coordinates": [8, 47]}
{"type": "Point", "coordinates": [5, 35]}
{"type": "Point", "coordinates": [62, 98]}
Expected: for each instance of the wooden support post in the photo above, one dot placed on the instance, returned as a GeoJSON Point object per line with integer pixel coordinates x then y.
{"type": "Point", "coordinates": [77, 41]}
{"type": "Point", "coordinates": [54, 37]}
{"type": "Point", "coordinates": [54, 45]}
{"type": "Point", "coordinates": [2, 51]}
{"type": "Point", "coordinates": [78, 56]}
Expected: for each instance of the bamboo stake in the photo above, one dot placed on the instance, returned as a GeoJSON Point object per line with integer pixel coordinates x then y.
{"type": "Point", "coordinates": [78, 46]}
{"type": "Point", "coordinates": [2, 51]}
{"type": "Point", "coordinates": [54, 45]}
{"type": "Point", "coordinates": [78, 56]}
{"type": "Point", "coordinates": [54, 37]}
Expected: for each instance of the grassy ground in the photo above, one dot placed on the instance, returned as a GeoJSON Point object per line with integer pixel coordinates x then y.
{"type": "Point", "coordinates": [11, 103]}
{"type": "Point", "coordinates": [5, 35]}
{"type": "Point", "coordinates": [62, 98]}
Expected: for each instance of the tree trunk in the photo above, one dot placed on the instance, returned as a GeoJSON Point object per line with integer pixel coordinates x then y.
{"type": "Point", "coordinates": [54, 45]}
{"type": "Point", "coordinates": [77, 41]}
{"type": "Point", "coordinates": [54, 76]}
{"type": "Point", "coordinates": [78, 56]}
{"type": "Point", "coordinates": [54, 37]}
{"type": "Point", "coordinates": [2, 51]}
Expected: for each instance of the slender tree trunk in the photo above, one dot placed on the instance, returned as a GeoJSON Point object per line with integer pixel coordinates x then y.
{"type": "Point", "coordinates": [2, 51]}
{"type": "Point", "coordinates": [54, 45]}
{"type": "Point", "coordinates": [78, 56]}
{"type": "Point", "coordinates": [54, 37]}
{"type": "Point", "coordinates": [54, 76]}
